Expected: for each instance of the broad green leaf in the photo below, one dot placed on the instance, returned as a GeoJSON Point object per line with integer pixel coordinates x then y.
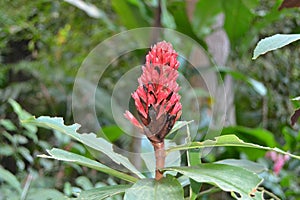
{"type": "Point", "coordinates": [42, 193]}
{"type": "Point", "coordinates": [89, 139]}
{"type": "Point", "coordinates": [7, 176]}
{"type": "Point", "coordinates": [178, 125]}
{"type": "Point", "coordinates": [59, 154]}
{"type": "Point", "coordinates": [227, 141]}
{"type": "Point", "coordinates": [228, 178]}
{"type": "Point", "coordinates": [246, 164]}
{"type": "Point", "coordinates": [256, 135]}
{"type": "Point", "coordinates": [194, 159]}
{"type": "Point", "coordinates": [167, 187]}
{"type": "Point", "coordinates": [205, 16]}
{"type": "Point", "coordinates": [257, 86]}
{"type": "Point", "coordinates": [167, 19]}
{"type": "Point", "coordinates": [112, 132]}
{"type": "Point", "coordinates": [106, 147]}
{"type": "Point", "coordinates": [183, 24]}
{"type": "Point", "coordinates": [126, 14]}
{"type": "Point", "coordinates": [238, 19]}
{"type": "Point", "coordinates": [274, 42]}
{"type": "Point", "coordinates": [103, 192]}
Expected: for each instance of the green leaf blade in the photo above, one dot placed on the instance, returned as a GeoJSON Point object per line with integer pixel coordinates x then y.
{"type": "Point", "coordinates": [62, 155]}
{"type": "Point", "coordinates": [274, 42]}
{"type": "Point", "coordinates": [10, 179]}
{"type": "Point", "coordinates": [228, 178]}
{"type": "Point", "coordinates": [226, 141]}
{"type": "Point", "coordinates": [246, 164]}
{"type": "Point", "coordinates": [89, 139]}
{"type": "Point", "coordinates": [103, 192]}
{"type": "Point", "coordinates": [167, 187]}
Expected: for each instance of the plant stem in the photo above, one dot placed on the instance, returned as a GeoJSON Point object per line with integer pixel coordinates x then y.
{"type": "Point", "coordinates": [26, 186]}
{"type": "Point", "coordinates": [160, 156]}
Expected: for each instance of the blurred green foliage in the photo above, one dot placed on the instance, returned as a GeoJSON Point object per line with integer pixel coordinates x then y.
{"type": "Point", "coordinates": [43, 43]}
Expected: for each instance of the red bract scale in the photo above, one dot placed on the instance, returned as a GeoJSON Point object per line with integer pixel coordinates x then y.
{"type": "Point", "coordinates": [156, 98]}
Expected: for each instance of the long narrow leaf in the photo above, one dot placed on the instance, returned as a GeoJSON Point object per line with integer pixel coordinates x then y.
{"type": "Point", "coordinates": [89, 139]}
{"type": "Point", "coordinates": [7, 176]}
{"type": "Point", "coordinates": [103, 192]}
{"type": "Point", "coordinates": [62, 155]}
{"type": "Point", "coordinates": [225, 141]}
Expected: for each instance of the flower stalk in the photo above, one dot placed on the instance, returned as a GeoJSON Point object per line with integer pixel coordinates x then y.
{"type": "Point", "coordinates": [157, 100]}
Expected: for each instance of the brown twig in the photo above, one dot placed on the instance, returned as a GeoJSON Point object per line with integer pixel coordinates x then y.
{"type": "Point", "coordinates": [160, 156]}
{"type": "Point", "coordinates": [157, 23]}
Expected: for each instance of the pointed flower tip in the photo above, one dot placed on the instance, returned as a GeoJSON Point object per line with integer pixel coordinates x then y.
{"type": "Point", "coordinates": [132, 119]}
{"type": "Point", "coordinates": [163, 53]}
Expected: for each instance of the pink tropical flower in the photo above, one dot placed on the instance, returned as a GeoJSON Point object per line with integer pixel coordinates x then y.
{"type": "Point", "coordinates": [278, 159]}
{"type": "Point", "coordinates": [156, 98]}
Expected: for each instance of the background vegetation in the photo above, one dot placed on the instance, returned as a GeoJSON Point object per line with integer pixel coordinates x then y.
{"type": "Point", "coordinates": [43, 43]}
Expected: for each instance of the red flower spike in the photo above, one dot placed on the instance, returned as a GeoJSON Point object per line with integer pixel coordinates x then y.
{"type": "Point", "coordinates": [156, 98]}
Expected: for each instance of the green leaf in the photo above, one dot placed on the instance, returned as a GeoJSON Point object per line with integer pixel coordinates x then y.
{"type": "Point", "coordinates": [167, 187]}
{"type": "Point", "coordinates": [89, 139]}
{"type": "Point", "coordinates": [193, 157]}
{"type": "Point", "coordinates": [105, 147]}
{"type": "Point", "coordinates": [183, 24]}
{"type": "Point", "coordinates": [256, 135]}
{"type": "Point", "coordinates": [43, 193]}
{"type": "Point", "coordinates": [257, 86]}
{"type": "Point", "coordinates": [246, 164]}
{"type": "Point", "coordinates": [238, 19]}
{"type": "Point", "coordinates": [8, 125]}
{"type": "Point", "coordinates": [228, 178]}
{"type": "Point", "coordinates": [205, 16]}
{"type": "Point", "coordinates": [274, 42]}
{"type": "Point", "coordinates": [7, 176]}
{"type": "Point", "coordinates": [103, 192]}
{"type": "Point", "coordinates": [22, 115]}
{"type": "Point", "coordinates": [178, 125]}
{"type": "Point", "coordinates": [226, 141]}
{"type": "Point", "coordinates": [167, 19]}
{"type": "Point", "coordinates": [126, 14]}
{"type": "Point", "coordinates": [91, 10]}
{"type": "Point", "coordinates": [25, 153]}
{"type": "Point", "coordinates": [84, 182]}
{"type": "Point", "coordinates": [112, 132]}
{"type": "Point", "coordinates": [6, 150]}
{"type": "Point", "coordinates": [59, 154]}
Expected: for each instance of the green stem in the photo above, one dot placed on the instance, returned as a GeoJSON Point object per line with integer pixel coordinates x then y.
{"type": "Point", "coordinates": [26, 187]}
